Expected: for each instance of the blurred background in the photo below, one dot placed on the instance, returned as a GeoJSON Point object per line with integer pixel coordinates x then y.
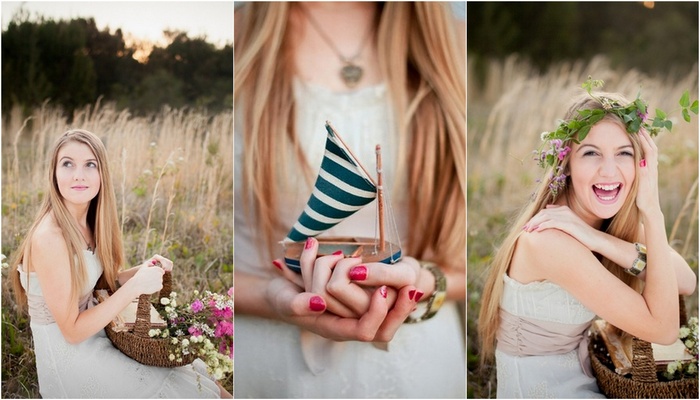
{"type": "Point", "coordinates": [526, 62]}
{"type": "Point", "coordinates": [154, 80]}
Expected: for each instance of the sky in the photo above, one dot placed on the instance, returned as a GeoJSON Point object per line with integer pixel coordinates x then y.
{"type": "Point", "coordinates": [143, 20]}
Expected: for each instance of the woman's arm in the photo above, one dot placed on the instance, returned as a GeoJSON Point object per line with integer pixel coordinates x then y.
{"type": "Point", "coordinates": [619, 251]}
{"type": "Point", "coordinates": [50, 261]}
{"type": "Point", "coordinates": [558, 257]}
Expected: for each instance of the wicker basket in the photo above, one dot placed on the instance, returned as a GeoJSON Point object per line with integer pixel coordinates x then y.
{"type": "Point", "coordinates": [643, 382]}
{"type": "Point", "coordinates": [137, 344]}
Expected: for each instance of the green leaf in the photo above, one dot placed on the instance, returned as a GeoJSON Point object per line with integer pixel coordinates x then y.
{"type": "Point", "coordinates": [668, 125]}
{"type": "Point", "coordinates": [582, 133]}
{"type": "Point", "coordinates": [685, 99]}
{"type": "Point", "coordinates": [686, 115]}
{"type": "Point", "coordinates": [694, 107]}
{"type": "Point", "coordinates": [660, 114]}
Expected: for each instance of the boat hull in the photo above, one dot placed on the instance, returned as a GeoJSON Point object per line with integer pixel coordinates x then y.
{"type": "Point", "coordinates": [366, 248]}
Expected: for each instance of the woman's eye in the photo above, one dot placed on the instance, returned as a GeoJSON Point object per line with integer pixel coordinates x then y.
{"type": "Point", "coordinates": [92, 164]}
{"type": "Point", "coordinates": [589, 153]}
{"type": "Point", "coordinates": [67, 164]}
{"type": "Point", "coordinates": [627, 154]}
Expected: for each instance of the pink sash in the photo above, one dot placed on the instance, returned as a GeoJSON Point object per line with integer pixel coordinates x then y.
{"type": "Point", "coordinates": [521, 337]}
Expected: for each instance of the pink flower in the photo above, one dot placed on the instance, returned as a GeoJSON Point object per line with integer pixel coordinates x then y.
{"type": "Point", "coordinates": [230, 292]}
{"type": "Point", "coordinates": [197, 306]}
{"type": "Point", "coordinates": [225, 313]}
{"type": "Point", "coordinates": [194, 331]}
{"type": "Point", "coordinates": [224, 328]}
{"type": "Point", "coordinates": [563, 152]}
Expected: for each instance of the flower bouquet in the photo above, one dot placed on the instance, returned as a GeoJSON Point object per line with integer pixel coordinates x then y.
{"type": "Point", "coordinates": [201, 327]}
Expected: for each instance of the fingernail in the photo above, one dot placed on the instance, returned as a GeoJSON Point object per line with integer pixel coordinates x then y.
{"type": "Point", "coordinates": [316, 303]}
{"type": "Point", "coordinates": [277, 264]}
{"type": "Point", "coordinates": [411, 293]}
{"type": "Point", "coordinates": [309, 243]}
{"type": "Point", "coordinates": [337, 253]}
{"type": "Point", "coordinates": [358, 273]}
{"type": "Point", "coordinates": [383, 291]}
{"type": "Point", "coordinates": [643, 162]}
{"type": "Point", "coordinates": [419, 294]}
{"type": "Point", "coordinates": [154, 262]}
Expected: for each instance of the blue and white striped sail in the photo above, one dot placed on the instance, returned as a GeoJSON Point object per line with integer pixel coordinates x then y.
{"type": "Point", "coordinates": [342, 188]}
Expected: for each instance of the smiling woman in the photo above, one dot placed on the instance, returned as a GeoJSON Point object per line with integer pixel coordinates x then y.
{"type": "Point", "coordinates": [575, 246]}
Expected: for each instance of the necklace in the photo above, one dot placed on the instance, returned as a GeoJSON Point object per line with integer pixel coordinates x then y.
{"type": "Point", "coordinates": [351, 73]}
{"type": "Point", "coordinates": [89, 247]}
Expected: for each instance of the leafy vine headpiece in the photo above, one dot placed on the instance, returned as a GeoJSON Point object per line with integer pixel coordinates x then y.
{"type": "Point", "coordinates": [555, 144]}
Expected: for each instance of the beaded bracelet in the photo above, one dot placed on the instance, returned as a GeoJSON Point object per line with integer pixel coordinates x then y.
{"type": "Point", "coordinates": [436, 298]}
{"type": "Point", "coordinates": [640, 262]}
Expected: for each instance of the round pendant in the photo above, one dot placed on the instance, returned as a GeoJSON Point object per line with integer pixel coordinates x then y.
{"type": "Point", "coordinates": [351, 74]}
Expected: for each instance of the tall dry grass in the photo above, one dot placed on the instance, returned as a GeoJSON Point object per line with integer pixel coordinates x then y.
{"type": "Point", "coordinates": [506, 114]}
{"type": "Point", "coordinates": [173, 176]}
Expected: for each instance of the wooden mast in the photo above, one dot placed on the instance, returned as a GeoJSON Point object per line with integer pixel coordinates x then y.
{"type": "Point", "coordinates": [380, 198]}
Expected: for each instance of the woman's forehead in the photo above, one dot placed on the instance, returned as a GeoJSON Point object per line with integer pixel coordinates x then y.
{"type": "Point", "coordinates": [74, 148]}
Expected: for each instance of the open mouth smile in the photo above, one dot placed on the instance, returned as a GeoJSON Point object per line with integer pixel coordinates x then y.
{"type": "Point", "coordinates": [607, 192]}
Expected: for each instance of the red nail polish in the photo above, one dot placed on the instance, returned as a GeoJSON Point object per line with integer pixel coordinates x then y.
{"type": "Point", "coordinates": [419, 294]}
{"type": "Point", "coordinates": [358, 273]}
{"type": "Point", "coordinates": [383, 291]}
{"type": "Point", "coordinates": [316, 303]}
{"type": "Point", "coordinates": [411, 293]}
{"type": "Point", "coordinates": [642, 162]}
{"type": "Point", "coordinates": [154, 262]}
{"type": "Point", "coordinates": [309, 243]}
{"type": "Point", "coordinates": [277, 264]}
{"type": "Point", "coordinates": [337, 253]}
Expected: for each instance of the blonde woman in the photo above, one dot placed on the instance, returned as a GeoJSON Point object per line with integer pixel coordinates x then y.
{"type": "Point", "coordinates": [592, 235]}
{"type": "Point", "coordinates": [317, 335]}
{"type": "Point", "coordinates": [74, 242]}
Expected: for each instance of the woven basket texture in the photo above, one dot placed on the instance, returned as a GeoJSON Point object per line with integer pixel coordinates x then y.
{"type": "Point", "coordinates": [138, 345]}
{"type": "Point", "coordinates": [643, 382]}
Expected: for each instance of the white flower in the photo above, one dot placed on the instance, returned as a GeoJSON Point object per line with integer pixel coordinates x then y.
{"type": "Point", "coordinates": [689, 343]}
{"type": "Point", "coordinates": [218, 373]}
{"type": "Point", "coordinates": [153, 332]}
{"type": "Point", "coordinates": [672, 367]}
{"type": "Point", "coordinates": [153, 144]}
{"type": "Point", "coordinates": [692, 368]}
{"type": "Point", "coordinates": [164, 301]}
{"type": "Point", "coordinates": [171, 357]}
{"type": "Point", "coordinates": [683, 332]}
{"type": "Point", "coordinates": [185, 342]}
{"type": "Point", "coordinates": [174, 341]}
{"type": "Point", "coordinates": [179, 359]}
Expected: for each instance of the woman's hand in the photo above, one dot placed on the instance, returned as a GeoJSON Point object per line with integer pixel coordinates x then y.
{"type": "Point", "coordinates": [148, 279]}
{"type": "Point", "coordinates": [165, 263]}
{"type": "Point", "coordinates": [648, 190]}
{"type": "Point", "coordinates": [561, 217]}
{"type": "Point", "coordinates": [379, 324]}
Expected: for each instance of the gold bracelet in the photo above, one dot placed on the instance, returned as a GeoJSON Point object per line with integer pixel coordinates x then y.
{"type": "Point", "coordinates": [436, 298]}
{"type": "Point", "coordinates": [640, 262]}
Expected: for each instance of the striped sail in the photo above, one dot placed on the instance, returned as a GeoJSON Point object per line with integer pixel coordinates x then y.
{"type": "Point", "coordinates": [341, 189]}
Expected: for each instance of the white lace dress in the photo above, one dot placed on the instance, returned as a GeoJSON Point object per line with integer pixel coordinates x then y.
{"type": "Point", "coordinates": [96, 369]}
{"type": "Point", "coordinates": [424, 360]}
{"type": "Point", "coordinates": [542, 343]}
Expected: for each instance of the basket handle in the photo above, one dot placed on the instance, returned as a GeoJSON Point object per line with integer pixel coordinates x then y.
{"type": "Point", "coordinates": [143, 310]}
{"type": "Point", "coordinates": [643, 365]}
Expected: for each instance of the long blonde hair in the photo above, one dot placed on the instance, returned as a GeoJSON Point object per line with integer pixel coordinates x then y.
{"type": "Point", "coordinates": [624, 225]}
{"type": "Point", "coordinates": [420, 58]}
{"type": "Point", "coordinates": [101, 218]}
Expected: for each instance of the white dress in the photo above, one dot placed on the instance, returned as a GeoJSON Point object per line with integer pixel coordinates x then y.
{"type": "Point", "coordinates": [424, 360]}
{"type": "Point", "coordinates": [95, 368]}
{"type": "Point", "coordinates": [542, 346]}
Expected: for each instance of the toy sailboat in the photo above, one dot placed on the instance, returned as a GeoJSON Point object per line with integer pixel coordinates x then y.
{"type": "Point", "coordinates": [342, 187]}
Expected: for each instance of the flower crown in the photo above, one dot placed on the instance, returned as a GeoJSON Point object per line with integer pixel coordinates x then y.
{"type": "Point", "coordinates": [633, 115]}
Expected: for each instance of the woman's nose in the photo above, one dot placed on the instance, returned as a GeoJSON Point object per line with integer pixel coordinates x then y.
{"type": "Point", "coordinates": [608, 167]}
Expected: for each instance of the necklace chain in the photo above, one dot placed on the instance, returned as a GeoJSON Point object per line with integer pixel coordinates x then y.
{"type": "Point", "coordinates": [89, 246]}
{"type": "Point", "coordinates": [351, 73]}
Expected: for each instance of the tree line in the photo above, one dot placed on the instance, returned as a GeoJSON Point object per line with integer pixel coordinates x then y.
{"type": "Point", "coordinates": [655, 38]}
{"type": "Point", "coordinates": [72, 63]}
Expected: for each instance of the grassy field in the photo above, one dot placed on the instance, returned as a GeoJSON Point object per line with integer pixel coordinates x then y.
{"type": "Point", "coordinates": [173, 176]}
{"type": "Point", "coordinates": [506, 112]}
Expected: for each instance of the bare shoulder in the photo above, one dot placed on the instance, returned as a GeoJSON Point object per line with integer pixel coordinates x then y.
{"type": "Point", "coordinates": [537, 254]}
{"type": "Point", "coordinates": [47, 243]}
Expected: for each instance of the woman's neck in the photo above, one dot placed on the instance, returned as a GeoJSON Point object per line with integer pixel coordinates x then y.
{"type": "Point", "coordinates": [570, 201]}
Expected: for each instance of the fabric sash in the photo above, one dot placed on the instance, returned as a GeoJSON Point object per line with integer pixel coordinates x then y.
{"type": "Point", "coordinates": [522, 336]}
